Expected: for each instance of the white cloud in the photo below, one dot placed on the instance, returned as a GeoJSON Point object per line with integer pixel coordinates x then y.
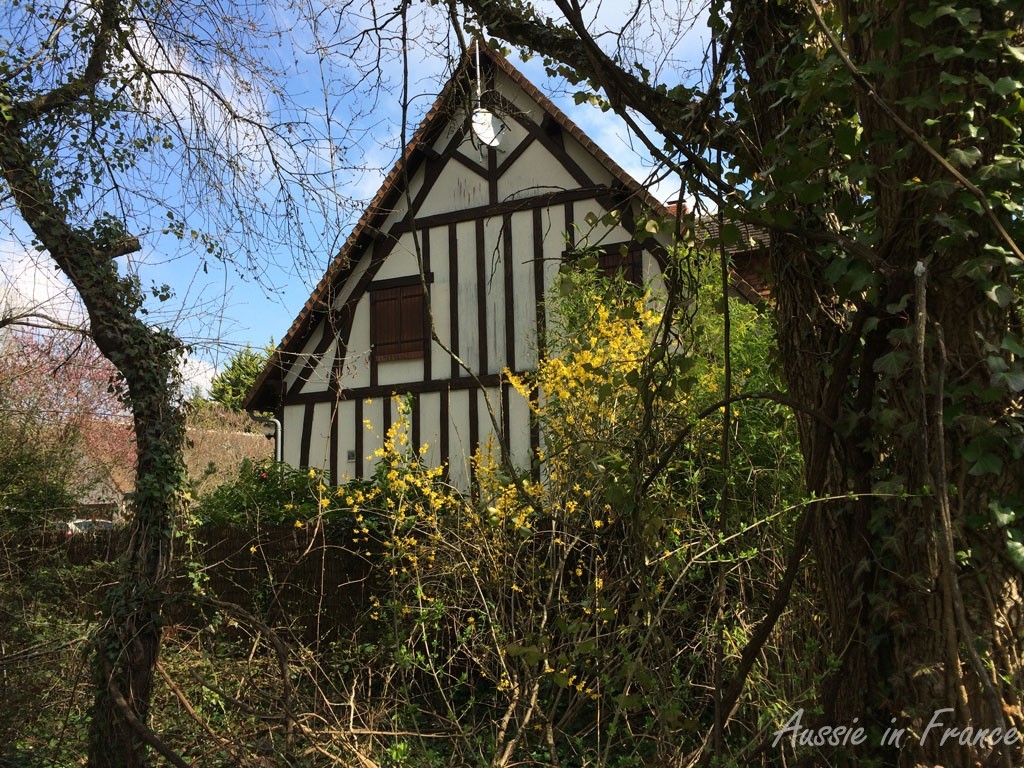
{"type": "Point", "coordinates": [34, 290]}
{"type": "Point", "coordinates": [197, 375]}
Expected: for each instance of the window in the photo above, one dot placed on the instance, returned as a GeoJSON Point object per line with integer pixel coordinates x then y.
{"type": "Point", "coordinates": [611, 261]}
{"type": "Point", "coordinates": [624, 259]}
{"type": "Point", "coordinates": [398, 321]}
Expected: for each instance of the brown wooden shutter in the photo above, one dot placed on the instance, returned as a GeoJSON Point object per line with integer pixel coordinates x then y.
{"type": "Point", "coordinates": [398, 327]}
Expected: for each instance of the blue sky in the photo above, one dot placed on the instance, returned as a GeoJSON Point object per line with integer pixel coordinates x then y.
{"type": "Point", "coordinates": [220, 307]}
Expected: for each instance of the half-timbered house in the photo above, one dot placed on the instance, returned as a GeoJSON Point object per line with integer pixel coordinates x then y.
{"type": "Point", "coordinates": [465, 236]}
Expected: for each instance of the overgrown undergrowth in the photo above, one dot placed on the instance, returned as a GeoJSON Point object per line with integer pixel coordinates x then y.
{"type": "Point", "coordinates": [587, 611]}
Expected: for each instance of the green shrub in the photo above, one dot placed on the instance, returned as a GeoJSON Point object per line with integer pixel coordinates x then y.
{"type": "Point", "coordinates": [262, 493]}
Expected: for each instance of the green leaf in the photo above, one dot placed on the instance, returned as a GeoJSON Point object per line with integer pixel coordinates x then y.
{"type": "Point", "coordinates": [619, 495]}
{"type": "Point", "coordinates": [965, 158]}
{"type": "Point", "coordinates": [810, 193]}
{"type": "Point", "coordinates": [893, 363]}
{"type": "Point", "coordinates": [942, 188]}
{"type": "Point", "coordinates": [1012, 343]}
{"type": "Point", "coordinates": [1004, 86]}
{"type": "Point", "coordinates": [923, 100]}
{"type": "Point", "coordinates": [987, 464]}
{"type": "Point", "coordinates": [729, 234]}
{"type": "Point", "coordinates": [943, 53]}
{"type": "Point", "coordinates": [847, 136]}
{"type": "Point", "coordinates": [1016, 552]}
{"type": "Point", "coordinates": [1003, 515]}
{"type": "Point", "coordinates": [997, 364]}
{"type": "Point", "coordinates": [858, 277]}
{"type": "Point", "coordinates": [967, 16]}
{"type": "Point", "coordinates": [1001, 294]}
{"type": "Point", "coordinates": [951, 79]}
{"type": "Point", "coordinates": [926, 17]}
{"type": "Point", "coordinates": [1014, 380]}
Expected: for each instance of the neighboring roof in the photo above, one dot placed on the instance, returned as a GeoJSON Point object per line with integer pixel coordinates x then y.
{"type": "Point", "coordinates": [748, 252]}
{"type": "Point", "coordinates": [749, 255]}
{"type": "Point", "coordinates": [752, 275]}
{"type": "Point", "coordinates": [382, 203]}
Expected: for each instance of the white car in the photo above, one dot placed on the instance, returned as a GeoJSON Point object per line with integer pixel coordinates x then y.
{"type": "Point", "coordinates": [88, 526]}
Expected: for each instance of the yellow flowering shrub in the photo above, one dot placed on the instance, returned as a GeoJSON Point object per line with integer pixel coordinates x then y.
{"type": "Point", "coordinates": [565, 613]}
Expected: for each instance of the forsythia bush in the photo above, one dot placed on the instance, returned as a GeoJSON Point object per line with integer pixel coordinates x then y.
{"type": "Point", "coordinates": [576, 617]}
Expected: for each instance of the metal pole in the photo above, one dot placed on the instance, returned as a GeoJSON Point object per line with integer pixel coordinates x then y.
{"type": "Point", "coordinates": [278, 438]}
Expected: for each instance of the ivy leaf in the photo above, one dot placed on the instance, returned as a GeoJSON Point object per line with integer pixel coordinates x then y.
{"type": "Point", "coordinates": [1016, 552]}
{"type": "Point", "coordinates": [1014, 380]}
{"type": "Point", "coordinates": [965, 158]}
{"type": "Point", "coordinates": [1003, 515]}
{"type": "Point", "coordinates": [847, 136]}
{"type": "Point", "coordinates": [943, 53]}
{"type": "Point", "coordinates": [1001, 294]}
{"type": "Point", "coordinates": [947, 77]}
{"type": "Point", "coordinates": [987, 464]}
{"type": "Point", "coordinates": [1004, 86]}
{"type": "Point", "coordinates": [729, 234]}
{"type": "Point", "coordinates": [893, 363]}
{"type": "Point", "coordinates": [926, 17]}
{"type": "Point", "coordinates": [809, 193]}
{"type": "Point", "coordinates": [1012, 343]}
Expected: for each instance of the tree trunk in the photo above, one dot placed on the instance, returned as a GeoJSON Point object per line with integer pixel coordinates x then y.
{"type": "Point", "coordinates": [914, 578]}
{"type": "Point", "coordinates": [128, 643]}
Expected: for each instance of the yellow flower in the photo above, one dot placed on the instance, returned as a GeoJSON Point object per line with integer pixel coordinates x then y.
{"type": "Point", "coordinates": [252, 549]}
{"type": "Point", "coordinates": [289, 506]}
{"type": "Point", "coordinates": [312, 474]}
{"type": "Point", "coordinates": [299, 524]}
